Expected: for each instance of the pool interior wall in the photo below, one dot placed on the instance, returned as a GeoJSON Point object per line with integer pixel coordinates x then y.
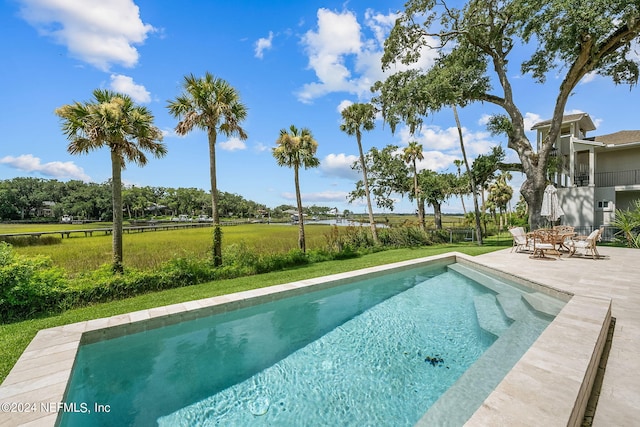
{"type": "Point", "coordinates": [550, 384]}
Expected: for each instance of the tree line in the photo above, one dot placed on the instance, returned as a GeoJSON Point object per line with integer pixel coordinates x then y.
{"type": "Point", "coordinates": [26, 198]}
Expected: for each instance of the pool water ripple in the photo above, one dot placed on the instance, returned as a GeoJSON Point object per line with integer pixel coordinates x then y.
{"type": "Point", "coordinates": [386, 366]}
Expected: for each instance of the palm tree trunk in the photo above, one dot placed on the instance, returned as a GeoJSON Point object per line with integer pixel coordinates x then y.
{"type": "Point", "coordinates": [423, 226]}
{"type": "Point", "coordinates": [217, 230]}
{"type": "Point", "coordinates": [374, 230]}
{"type": "Point", "coordinates": [471, 180]}
{"type": "Point", "coordinates": [301, 240]}
{"type": "Point", "coordinates": [116, 196]}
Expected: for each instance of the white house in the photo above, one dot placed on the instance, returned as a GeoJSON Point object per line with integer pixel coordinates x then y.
{"type": "Point", "coordinates": [595, 175]}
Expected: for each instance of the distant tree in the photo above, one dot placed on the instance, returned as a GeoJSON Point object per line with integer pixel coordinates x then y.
{"type": "Point", "coordinates": [387, 175]}
{"type": "Point", "coordinates": [411, 154]}
{"type": "Point", "coordinates": [296, 148]}
{"type": "Point", "coordinates": [500, 193]}
{"type": "Point", "coordinates": [435, 189]}
{"type": "Point", "coordinates": [484, 168]}
{"type": "Point", "coordinates": [355, 119]}
{"type": "Point", "coordinates": [213, 105]}
{"type": "Point", "coordinates": [112, 120]}
{"type": "Point", "coordinates": [463, 188]}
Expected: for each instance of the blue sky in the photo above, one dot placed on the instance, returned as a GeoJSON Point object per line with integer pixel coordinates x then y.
{"type": "Point", "coordinates": [293, 62]}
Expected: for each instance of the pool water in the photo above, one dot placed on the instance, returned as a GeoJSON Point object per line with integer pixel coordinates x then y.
{"type": "Point", "coordinates": [377, 352]}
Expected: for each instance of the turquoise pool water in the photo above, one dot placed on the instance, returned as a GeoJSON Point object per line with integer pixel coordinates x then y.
{"type": "Point", "coordinates": [380, 351]}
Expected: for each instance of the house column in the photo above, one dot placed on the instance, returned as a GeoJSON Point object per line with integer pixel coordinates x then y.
{"type": "Point", "coordinates": [572, 163]}
{"type": "Point", "coordinates": [592, 167]}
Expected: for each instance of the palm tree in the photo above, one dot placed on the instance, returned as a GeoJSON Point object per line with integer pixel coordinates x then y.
{"type": "Point", "coordinates": [411, 154]}
{"type": "Point", "coordinates": [461, 191]}
{"type": "Point", "coordinates": [296, 148]}
{"type": "Point", "coordinates": [112, 120]}
{"type": "Point", "coordinates": [213, 105]}
{"type": "Point", "coordinates": [356, 117]}
{"type": "Point", "coordinates": [472, 183]}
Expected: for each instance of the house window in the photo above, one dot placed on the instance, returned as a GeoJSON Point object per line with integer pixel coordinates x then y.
{"type": "Point", "coordinates": [604, 205]}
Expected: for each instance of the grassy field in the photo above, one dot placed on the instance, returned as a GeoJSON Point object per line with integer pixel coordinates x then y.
{"type": "Point", "coordinates": [15, 337]}
{"type": "Point", "coordinates": [149, 249]}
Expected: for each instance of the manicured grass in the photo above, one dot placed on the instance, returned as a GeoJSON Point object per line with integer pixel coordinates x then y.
{"type": "Point", "coordinates": [15, 337]}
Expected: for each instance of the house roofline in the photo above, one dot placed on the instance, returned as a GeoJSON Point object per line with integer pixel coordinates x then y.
{"type": "Point", "coordinates": [602, 144]}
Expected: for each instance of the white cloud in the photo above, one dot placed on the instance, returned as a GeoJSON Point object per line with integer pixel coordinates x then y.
{"type": "Point", "coordinates": [446, 141]}
{"type": "Point", "coordinates": [589, 77]}
{"type": "Point", "coordinates": [30, 163]}
{"type": "Point", "coordinates": [99, 32]}
{"type": "Point", "coordinates": [531, 119]}
{"type": "Point", "coordinates": [337, 37]}
{"type": "Point", "coordinates": [233, 144]}
{"type": "Point", "coordinates": [339, 165]}
{"type": "Point", "coordinates": [125, 84]}
{"type": "Point", "coordinates": [346, 56]}
{"type": "Point", "coordinates": [344, 104]}
{"type": "Point", "coordinates": [263, 44]}
{"type": "Point", "coordinates": [260, 147]}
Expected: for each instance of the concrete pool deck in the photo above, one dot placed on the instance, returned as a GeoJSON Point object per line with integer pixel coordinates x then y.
{"type": "Point", "coordinates": [616, 276]}
{"type": "Point", "coordinates": [42, 372]}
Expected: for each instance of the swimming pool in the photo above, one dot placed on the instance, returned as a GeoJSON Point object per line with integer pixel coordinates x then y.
{"type": "Point", "coordinates": [380, 351]}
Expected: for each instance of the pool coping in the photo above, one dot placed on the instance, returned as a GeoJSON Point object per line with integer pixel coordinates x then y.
{"type": "Point", "coordinates": [549, 385]}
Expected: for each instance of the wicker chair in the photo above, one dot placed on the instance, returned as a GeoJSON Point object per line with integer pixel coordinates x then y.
{"type": "Point", "coordinates": [586, 243]}
{"type": "Point", "coordinates": [520, 240]}
{"type": "Point", "coordinates": [545, 241]}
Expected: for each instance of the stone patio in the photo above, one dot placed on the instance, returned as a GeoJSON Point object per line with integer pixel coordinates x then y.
{"type": "Point", "coordinates": [615, 276]}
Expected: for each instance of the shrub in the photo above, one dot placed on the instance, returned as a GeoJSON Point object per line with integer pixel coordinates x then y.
{"type": "Point", "coordinates": [21, 241]}
{"type": "Point", "coordinates": [28, 286]}
{"type": "Point", "coordinates": [628, 223]}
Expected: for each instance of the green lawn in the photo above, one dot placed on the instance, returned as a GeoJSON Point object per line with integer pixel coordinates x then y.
{"type": "Point", "coordinates": [15, 337]}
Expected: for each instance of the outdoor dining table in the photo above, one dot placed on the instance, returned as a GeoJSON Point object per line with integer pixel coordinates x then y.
{"type": "Point", "coordinates": [554, 237]}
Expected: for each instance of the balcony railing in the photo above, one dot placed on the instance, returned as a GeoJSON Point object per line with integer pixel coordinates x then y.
{"type": "Point", "coordinates": [610, 179]}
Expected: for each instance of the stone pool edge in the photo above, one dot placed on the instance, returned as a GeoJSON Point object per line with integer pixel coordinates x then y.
{"type": "Point", "coordinates": [562, 376]}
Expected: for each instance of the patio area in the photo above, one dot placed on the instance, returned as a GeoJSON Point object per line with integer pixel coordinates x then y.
{"type": "Point", "coordinates": [614, 276]}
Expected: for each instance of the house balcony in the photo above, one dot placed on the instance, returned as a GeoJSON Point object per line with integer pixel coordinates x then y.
{"type": "Point", "coordinates": [611, 179]}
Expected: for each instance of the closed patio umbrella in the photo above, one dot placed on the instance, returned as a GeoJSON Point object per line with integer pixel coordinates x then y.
{"type": "Point", "coordinates": [550, 204]}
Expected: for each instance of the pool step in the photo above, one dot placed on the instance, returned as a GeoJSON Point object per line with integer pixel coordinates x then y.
{"type": "Point", "coordinates": [490, 316]}
{"type": "Point", "coordinates": [544, 303]}
{"type": "Point", "coordinates": [511, 297]}
{"type": "Point", "coordinates": [462, 399]}
{"type": "Point", "coordinates": [513, 306]}
{"type": "Point", "coordinates": [485, 280]}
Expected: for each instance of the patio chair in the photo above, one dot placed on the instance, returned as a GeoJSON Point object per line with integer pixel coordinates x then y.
{"type": "Point", "coordinates": [586, 243]}
{"type": "Point", "coordinates": [545, 241]}
{"type": "Point", "coordinates": [520, 240]}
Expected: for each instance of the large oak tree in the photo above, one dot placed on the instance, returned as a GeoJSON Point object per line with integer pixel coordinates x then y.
{"type": "Point", "coordinates": [570, 38]}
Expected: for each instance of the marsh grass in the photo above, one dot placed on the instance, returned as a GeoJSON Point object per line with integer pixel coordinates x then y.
{"type": "Point", "coordinates": [149, 250]}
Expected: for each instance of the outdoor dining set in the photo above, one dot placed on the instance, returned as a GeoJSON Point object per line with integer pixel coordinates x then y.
{"type": "Point", "coordinates": [555, 241]}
